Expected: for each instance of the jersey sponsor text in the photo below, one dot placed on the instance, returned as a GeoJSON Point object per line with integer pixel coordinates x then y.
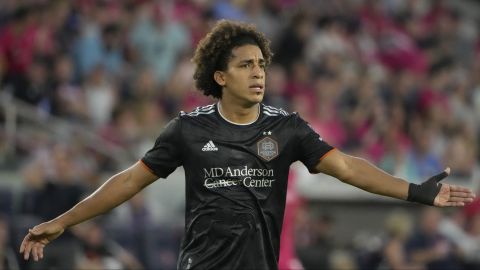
{"type": "Point", "coordinates": [226, 177]}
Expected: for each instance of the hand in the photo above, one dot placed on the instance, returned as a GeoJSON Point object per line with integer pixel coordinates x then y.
{"type": "Point", "coordinates": [38, 237]}
{"type": "Point", "coordinates": [452, 195]}
{"type": "Point", "coordinates": [431, 192]}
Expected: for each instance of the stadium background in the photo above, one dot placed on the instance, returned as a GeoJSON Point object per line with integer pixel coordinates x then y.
{"type": "Point", "coordinates": [86, 86]}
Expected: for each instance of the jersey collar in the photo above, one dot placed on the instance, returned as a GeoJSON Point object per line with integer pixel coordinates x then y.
{"type": "Point", "coordinates": [238, 124]}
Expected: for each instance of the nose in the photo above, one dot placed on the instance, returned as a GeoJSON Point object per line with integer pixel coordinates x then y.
{"type": "Point", "coordinates": [257, 72]}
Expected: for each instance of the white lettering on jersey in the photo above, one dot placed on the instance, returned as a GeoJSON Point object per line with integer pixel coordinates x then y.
{"type": "Point", "coordinates": [248, 177]}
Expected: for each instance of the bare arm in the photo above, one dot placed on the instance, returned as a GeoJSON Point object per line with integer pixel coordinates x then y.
{"type": "Point", "coordinates": [362, 174]}
{"type": "Point", "coordinates": [118, 189]}
{"type": "Point", "coordinates": [113, 192]}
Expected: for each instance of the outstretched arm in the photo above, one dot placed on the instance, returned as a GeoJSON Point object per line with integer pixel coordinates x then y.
{"type": "Point", "coordinates": [113, 192]}
{"type": "Point", "coordinates": [362, 174]}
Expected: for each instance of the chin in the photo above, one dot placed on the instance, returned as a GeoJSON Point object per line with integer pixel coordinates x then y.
{"type": "Point", "coordinates": [253, 100]}
{"type": "Point", "coordinates": [256, 101]}
{"type": "Point", "coordinates": [258, 98]}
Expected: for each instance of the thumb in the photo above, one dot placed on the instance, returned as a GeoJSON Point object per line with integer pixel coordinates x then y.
{"type": "Point", "coordinates": [439, 177]}
{"type": "Point", "coordinates": [37, 230]}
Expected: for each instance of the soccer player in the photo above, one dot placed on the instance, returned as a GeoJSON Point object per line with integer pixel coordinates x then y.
{"type": "Point", "coordinates": [236, 154]}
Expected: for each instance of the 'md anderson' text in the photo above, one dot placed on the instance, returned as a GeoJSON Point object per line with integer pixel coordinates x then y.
{"type": "Point", "coordinates": [225, 177]}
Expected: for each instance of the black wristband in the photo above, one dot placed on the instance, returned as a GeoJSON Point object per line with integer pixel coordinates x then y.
{"type": "Point", "coordinates": [426, 192]}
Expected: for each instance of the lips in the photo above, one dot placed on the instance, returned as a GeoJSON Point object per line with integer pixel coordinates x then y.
{"type": "Point", "coordinates": [256, 87]}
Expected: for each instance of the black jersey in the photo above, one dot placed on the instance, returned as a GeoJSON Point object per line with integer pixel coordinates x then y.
{"type": "Point", "coordinates": [236, 182]}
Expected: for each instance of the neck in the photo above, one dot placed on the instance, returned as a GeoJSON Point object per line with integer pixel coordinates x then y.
{"type": "Point", "coordinates": [239, 114]}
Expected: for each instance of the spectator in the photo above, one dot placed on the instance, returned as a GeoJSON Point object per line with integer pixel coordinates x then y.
{"type": "Point", "coordinates": [276, 85]}
{"type": "Point", "coordinates": [398, 226]}
{"type": "Point", "coordinates": [35, 89]}
{"type": "Point", "coordinates": [132, 226]}
{"type": "Point", "coordinates": [101, 96]}
{"type": "Point", "coordinates": [100, 252]}
{"type": "Point", "coordinates": [158, 40]}
{"type": "Point", "coordinates": [293, 40]}
{"type": "Point", "coordinates": [428, 247]}
{"type": "Point", "coordinates": [315, 246]}
{"type": "Point", "coordinates": [17, 41]}
{"type": "Point", "coordinates": [68, 98]}
{"type": "Point", "coordinates": [454, 228]}
{"type": "Point", "coordinates": [50, 194]}
{"type": "Point", "coordinates": [8, 259]}
{"type": "Point", "coordinates": [420, 160]}
{"type": "Point", "coordinates": [473, 230]}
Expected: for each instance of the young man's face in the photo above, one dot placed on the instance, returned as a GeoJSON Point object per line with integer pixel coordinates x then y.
{"type": "Point", "coordinates": [244, 79]}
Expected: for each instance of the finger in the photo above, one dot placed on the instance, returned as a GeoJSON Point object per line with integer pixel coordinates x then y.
{"type": "Point", "coordinates": [36, 251]}
{"type": "Point", "coordinates": [461, 194]}
{"type": "Point", "coordinates": [439, 177]}
{"type": "Point", "coordinates": [455, 204]}
{"type": "Point", "coordinates": [22, 246]}
{"type": "Point", "coordinates": [41, 251]}
{"type": "Point", "coordinates": [458, 199]}
{"type": "Point", "coordinates": [462, 189]}
{"type": "Point", "coordinates": [28, 248]}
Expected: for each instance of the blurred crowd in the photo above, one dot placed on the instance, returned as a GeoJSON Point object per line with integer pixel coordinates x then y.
{"type": "Point", "coordinates": [430, 239]}
{"type": "Point", "coordinates": [396, 82]}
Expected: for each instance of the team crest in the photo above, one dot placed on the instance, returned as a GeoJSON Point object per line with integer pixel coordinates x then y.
{"type": "Point", "coordinates": [267, 148]}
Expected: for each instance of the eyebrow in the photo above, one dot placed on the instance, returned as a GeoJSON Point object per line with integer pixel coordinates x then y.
{"type": "Point", "coordinates": [248, 61]}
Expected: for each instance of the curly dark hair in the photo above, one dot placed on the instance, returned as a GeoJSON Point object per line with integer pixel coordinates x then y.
{"type": "Point", "coordinates": [214, 51]}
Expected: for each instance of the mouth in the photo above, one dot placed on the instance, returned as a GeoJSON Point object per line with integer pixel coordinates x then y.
{"type": "Point", "coordinates": [258, 88]}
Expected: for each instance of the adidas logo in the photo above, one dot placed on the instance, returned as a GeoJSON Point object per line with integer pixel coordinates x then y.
{"type": "Point", "coordinates": [209, 147]}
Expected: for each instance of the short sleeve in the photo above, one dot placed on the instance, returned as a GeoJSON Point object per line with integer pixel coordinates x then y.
{"type": "Point", "coordinates": [165, 156]}
{"type": "Point", "coordinates": [311, 147]}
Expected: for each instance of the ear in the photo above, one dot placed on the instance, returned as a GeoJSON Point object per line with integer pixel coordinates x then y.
{"type": "Point", "coordinates": [219, 77]}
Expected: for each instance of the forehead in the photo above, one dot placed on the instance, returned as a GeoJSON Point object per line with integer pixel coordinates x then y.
{"type": "Point", "coordinates": [246, 52]}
